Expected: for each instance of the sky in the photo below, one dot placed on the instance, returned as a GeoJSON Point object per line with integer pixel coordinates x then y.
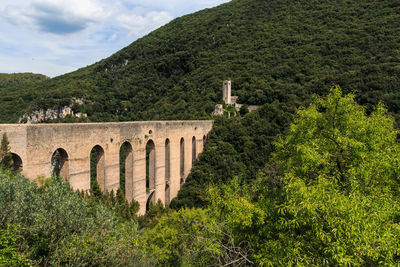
{"type": "Point", "coordinates": [54, 37]}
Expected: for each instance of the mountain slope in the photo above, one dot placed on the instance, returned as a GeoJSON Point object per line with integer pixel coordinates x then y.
{"type": "Point", "coordinates": [272, 50]}
{"type": "Point", "coordinates": [20, 79]}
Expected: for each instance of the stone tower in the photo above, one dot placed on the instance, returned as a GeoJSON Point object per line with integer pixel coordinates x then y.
{"type": "Point", "coordinates": [226, 92]}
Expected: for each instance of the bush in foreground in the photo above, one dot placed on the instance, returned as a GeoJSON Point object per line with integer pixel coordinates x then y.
{"type": "Point", "coordinates": [58, 226]}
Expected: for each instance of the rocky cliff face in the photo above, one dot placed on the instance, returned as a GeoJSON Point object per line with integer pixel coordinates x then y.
{"type": "Point", "coordinates": [52, 114]}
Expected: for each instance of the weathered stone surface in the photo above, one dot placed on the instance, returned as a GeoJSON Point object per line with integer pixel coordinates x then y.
{"type": "Point", "coordinates": [226, 92]}
{"type": "Point", "coordinates": [36, 143]}
{"type": "Point", "coordinates": [219, 110]}
{"type": "Point", "coordinates": [52, 114]}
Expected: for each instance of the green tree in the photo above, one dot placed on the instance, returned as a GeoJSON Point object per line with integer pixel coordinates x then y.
{"type": "Point", "coordinates": [335, 139]}
{"type": "Point", "coordinates": [9, 254]}
{"type": "Point", "coordinates": [60, 228]}
{"type": "Point", "coordinates": [244, 110]}
{"type": "Point", "coordinates": [330, 194]}
{"type": "Point", "coordinates": [188, 236]}
{"type": "Point", "coordinates": [340, 170]}
{"type": "Point", "coordinates": [6, 160]}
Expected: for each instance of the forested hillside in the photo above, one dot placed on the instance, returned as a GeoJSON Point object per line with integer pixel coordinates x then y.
{"type": "Point", "coordinates": [275, 50]}
{"type": "Point", "coordinates": [20, 79]}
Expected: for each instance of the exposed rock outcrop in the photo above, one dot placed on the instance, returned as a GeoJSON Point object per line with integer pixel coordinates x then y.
{"type": "Point", "coordinates": [52, 114]}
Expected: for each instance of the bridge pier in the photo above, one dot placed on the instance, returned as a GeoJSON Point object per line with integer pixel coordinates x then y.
{"type": "Point", "coordinates": [175, 167]}
{"type": "Point", "coordinates": [139, 178]}
{"type": "Point", "coordinates": [188, 155]}
{"type": "Point", "coordinates": [79, 170]}
{"type": "Point", "coordinates": [111, 167]}
{"type": "Point", "coordinates": [128, 171]}
{"type": "Point", "coordinates": [160, 171]}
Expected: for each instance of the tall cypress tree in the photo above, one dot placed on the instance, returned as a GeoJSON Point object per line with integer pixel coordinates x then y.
{"type": "Point", "coordinates": [6, 160]}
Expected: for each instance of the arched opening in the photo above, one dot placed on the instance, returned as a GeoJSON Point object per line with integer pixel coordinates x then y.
{"type": "Point", "coordinates": [167, 171]}
{"type": "Point", "coordinates": [182, 161]}
{"type": "Point", "coordinates": [194, 150]}
{"type": "Point", "coordinates": [17, 162]}
{"type": "Point", "coordinates": [59, 162]}
{"type": "Point", "coordinates": [204, 140]}
{"type": "Point", "coordinates": [150, 199]}
{"type": "Point", "coordinates": [125, 167]}
{"type": "Point", "coordinates": [97, 175]}
{"type": "Point", "coordinates": [150, 169]}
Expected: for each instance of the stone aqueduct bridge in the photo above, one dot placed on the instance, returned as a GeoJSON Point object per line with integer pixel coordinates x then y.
{"type": "Point", "coordinates": [172, 147]}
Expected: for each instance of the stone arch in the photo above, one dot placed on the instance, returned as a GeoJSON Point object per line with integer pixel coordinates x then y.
{"type": "Point", "coordinates": [17, 162]}
{"type": "Point", "coordinates": [194, 152]}
{"type": "Point", "coordinates": [182, 161]}
{"type": "Point", "coordinates": [150, 170]}
{"type": "Point", "coordinates": [97, 169]}
{"type": "Point", "coordinates": [59, 163]}
{"type": "Point", "coordinates": [126, 168]}
{"type": "Point", "coordinates": [167, 171]}
{"type": "Point", "coordinates": [204, 140]}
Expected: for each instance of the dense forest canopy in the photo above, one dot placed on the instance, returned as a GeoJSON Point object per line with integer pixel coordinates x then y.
{"type": "Point", "coordinates": [273, 50]}
{"type": "Point", "coordinates": [20, 79]}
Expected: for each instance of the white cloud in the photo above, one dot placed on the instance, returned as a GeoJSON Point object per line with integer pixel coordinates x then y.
{"type": "Point", "coordinates": [140, 25]}
{"type": "Point", "coordinates": [55, 16]}
{"type": "Point", "coordinates": [63, 35]}
{"type": "Point", "coordinates": [113, 37]}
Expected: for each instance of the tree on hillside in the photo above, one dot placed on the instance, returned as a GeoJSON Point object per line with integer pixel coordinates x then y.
{"type": "Point", "coordinates": [5, 154]}
{"type": "Point", "coordinates": [341, 172]}
{"type": "Point", "coordinates": [244, 109]}
{"type": "Point", "coordinates": [338, 197]}
{"type": "Point", "coordinates": [336, 140]}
